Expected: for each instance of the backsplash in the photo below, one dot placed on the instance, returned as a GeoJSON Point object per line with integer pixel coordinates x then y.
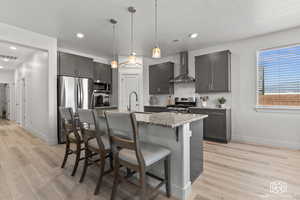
{"type": "Point", "coordinates": [188, 90]}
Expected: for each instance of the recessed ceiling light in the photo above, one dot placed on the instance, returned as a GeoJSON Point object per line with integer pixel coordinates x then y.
{"type": "Point", "coordinates": [193, 35]}
{"type": "Point", "coordinates": [1, 67]}
{"type": "Point", "coordinates": [13, 48]}
{"type": "Point", "coordinates": [5, 59]}
{"type": "Point", "coordinates": [80, 35]}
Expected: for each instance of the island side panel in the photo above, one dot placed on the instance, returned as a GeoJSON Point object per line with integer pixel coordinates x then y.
{"type": "Point", "coordinates": [180, 158]}
{"type": "Point", "coordinates": [196, 153]}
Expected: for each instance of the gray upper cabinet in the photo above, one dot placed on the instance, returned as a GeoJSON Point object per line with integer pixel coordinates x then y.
{"type": "Point", "coordinates": [213, 72]}
{"type": "Point", "coordinates": [159, 78]}
{"type": "Point", "coordinates": [102, 72]}
{"type": "Point", "coordinates": [73, 65]}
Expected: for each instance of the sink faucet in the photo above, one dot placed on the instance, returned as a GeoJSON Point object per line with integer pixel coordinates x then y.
{"type": "Point", "coordinates": [137, 99]}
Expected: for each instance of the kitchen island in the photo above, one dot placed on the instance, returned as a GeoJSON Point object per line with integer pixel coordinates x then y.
{"type": "Point", "coordinates": [182, 134]}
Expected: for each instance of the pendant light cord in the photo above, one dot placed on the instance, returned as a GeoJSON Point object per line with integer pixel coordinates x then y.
{"type": "Point", "coordinates": [156, 23]}
{"type": "Point", "coordinates": [114, 42]}
{"type": "Point", "coordinates": [131, 33]}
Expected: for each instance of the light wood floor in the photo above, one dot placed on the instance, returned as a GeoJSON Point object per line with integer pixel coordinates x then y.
{"type": "Point", "coordinates": [30, 169]}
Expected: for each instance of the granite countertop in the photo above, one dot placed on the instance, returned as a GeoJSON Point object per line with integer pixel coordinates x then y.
{"type": "Point", "coordinates": [210, 107]}
{"type": "Point", "coordinates": [155, 106]}
{"type": "Point", "coordinates": [166, 119]}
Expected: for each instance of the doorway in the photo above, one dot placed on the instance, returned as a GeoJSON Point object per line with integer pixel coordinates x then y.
{"type": "Point", "coordinates": [4, 101]}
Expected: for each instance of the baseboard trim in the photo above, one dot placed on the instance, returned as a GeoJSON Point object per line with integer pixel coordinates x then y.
{"type": "Point", "coordinates": [266, 142]}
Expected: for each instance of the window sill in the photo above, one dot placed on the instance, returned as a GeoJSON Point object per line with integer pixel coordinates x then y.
{"type": "Point", "coordinates": [278, 109]}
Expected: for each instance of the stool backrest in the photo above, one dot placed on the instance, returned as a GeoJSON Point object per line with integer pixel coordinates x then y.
{"type": "Point", "coordinates": [69, 125]}
{"type": "Point", "coordinates": [123, 132]}
{"type": "Point", "coordinates": [90, 126]}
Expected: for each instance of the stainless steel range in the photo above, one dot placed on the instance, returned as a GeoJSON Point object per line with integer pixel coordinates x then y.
{"type": "Point", "coordinates": [182, 105]}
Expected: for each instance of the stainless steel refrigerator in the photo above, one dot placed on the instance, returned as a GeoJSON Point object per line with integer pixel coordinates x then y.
{"type": "Point", "coordinates": [75, 93]}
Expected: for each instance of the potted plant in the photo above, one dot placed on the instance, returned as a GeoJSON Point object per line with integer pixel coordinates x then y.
{"type": "Point", "coordinates": [222, 102]}
{"type": "Point", "coordinates": [204, 100]}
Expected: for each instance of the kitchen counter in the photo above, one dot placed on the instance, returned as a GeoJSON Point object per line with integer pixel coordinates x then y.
{"type": "Point", "coordinates": [106, 107]}
{"type": "Point", "coordinates": [166, 119]}
{"type": "Point", "coordinates": [211, 108]}
{"type": "Point", "coordinates": [182, 134]}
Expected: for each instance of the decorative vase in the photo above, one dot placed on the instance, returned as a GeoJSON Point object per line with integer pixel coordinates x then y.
{"type": "Point", "coordinates": [204, 104]}
{"type": "Point", "coordinates": [222, 105]}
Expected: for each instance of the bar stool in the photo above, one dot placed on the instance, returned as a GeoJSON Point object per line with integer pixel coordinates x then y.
{"type": "Point", "coordinates": [73, 136]}
{"type": "Point", "coordinates": [140, 157]}
{"type": "Point", "coordinates": [96, 142]}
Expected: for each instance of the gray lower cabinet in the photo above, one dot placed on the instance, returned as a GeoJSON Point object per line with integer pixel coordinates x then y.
{"type": "Point", "coordinates": [74, 65]}
{"type": "Point", "coordinates": [102, 72]}
{"type": "Point", "coordinates": [212, 72]}
{"type": "Point", "coordinates": [159, 78]}
{"type": "Point", "coordinates": [217, 126]}
{"type": "Point", "coordinates": [155, 109]}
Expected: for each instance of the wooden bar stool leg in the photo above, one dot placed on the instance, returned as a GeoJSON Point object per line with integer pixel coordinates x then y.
{"type": "Point", "coordinates": [66, 154]}
{"type": "Point", "coordinates": [143, 193]}
{"type": "Point", "coordinates": [167, 165]}
{"type": "Point", "coordinates": [86, 164]}
{"type": "Point", "coordinates": [116, 177]}
{"type": "Point", "coordinates": [101, 174]}
{"type": "Point", "coordinates": [111, 161]}
{"type": "Point", "coordinates": [78, 152]}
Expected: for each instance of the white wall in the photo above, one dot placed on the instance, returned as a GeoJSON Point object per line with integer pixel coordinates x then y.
{"type": "Point", "coordinates": [30, 39]}
{"type": "Point", "coordinates": [34, 70]}
{"type": "Point", "coordinates": [6, 76]}
{"type": "Point", "coordinates": [268, 128]}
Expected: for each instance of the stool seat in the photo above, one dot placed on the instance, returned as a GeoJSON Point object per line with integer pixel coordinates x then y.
{"type": "Point", "coordinates": [152, 153]}
{"type": "Point", "coordinates": [94, 144]}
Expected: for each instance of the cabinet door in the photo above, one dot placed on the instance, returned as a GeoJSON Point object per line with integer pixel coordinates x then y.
{"type": "Point", "coordinates": [215, 126]}
{"type": "Point", "coordinates": [203, 74]}
{"type": "Point", "coordinates": [102, 72]}
{"type": "Point", "coordinates": [84, 67]}
{"type": "Point", "coordinates": [159, 78]}
{"type": "Point", "coordinates": [67, 64]}
{"type": "Point", "coordinates": [73, 65]}
{"type": "Point", "coordinates": [220, 72]}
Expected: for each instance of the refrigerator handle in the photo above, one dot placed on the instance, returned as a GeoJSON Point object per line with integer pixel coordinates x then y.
{"type": "Point", "coordinates": [76, 96]}
{"type": "Point", "coordinates": [80, 93]}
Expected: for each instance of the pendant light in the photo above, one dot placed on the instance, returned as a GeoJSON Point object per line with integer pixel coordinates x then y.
{"type": "Point", "coordinates": [156, 52]}
{"type": "Point", "coordinates": [114, 62]}
{"type": "Point", "coordinates": [132, 56]}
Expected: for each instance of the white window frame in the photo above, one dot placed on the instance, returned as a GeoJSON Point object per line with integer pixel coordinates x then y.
{"type": "Point", "coordinates": [273, 108]}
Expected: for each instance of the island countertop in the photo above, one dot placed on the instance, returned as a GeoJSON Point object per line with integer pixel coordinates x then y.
{"type": "Point", "coordinates": [166, 119]}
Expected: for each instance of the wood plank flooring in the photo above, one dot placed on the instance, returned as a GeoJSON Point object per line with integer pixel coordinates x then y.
{"type": "Point", "coordinates": [30, 169]}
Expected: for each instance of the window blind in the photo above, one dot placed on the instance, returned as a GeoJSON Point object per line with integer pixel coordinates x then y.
{"type": "Point", "coordinates": [279, 76]}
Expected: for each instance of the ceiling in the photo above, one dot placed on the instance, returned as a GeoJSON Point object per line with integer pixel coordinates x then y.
{"type": "Point", "coordinates": [20, 52]}
{"type": "Point", "coordinates": [216, 22]}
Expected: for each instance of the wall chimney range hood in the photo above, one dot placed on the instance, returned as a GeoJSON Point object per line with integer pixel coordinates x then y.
{"type": "Point", "coordinates": [183, 77]}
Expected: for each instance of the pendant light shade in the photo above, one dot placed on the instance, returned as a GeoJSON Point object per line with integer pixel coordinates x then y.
{"type": "Point", "coordinates": [132, 56]}
{"type": "Point", "coordinates": [114, 62]}
{"type": "Point", "coordinates": [156, 52]}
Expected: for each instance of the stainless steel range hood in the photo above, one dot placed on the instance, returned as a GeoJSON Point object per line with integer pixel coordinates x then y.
{"type": "Point", "coordinates": [184, 70]}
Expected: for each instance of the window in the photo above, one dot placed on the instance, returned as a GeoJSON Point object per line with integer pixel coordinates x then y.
{"type": "Point", "coordinates": [278, 73]}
